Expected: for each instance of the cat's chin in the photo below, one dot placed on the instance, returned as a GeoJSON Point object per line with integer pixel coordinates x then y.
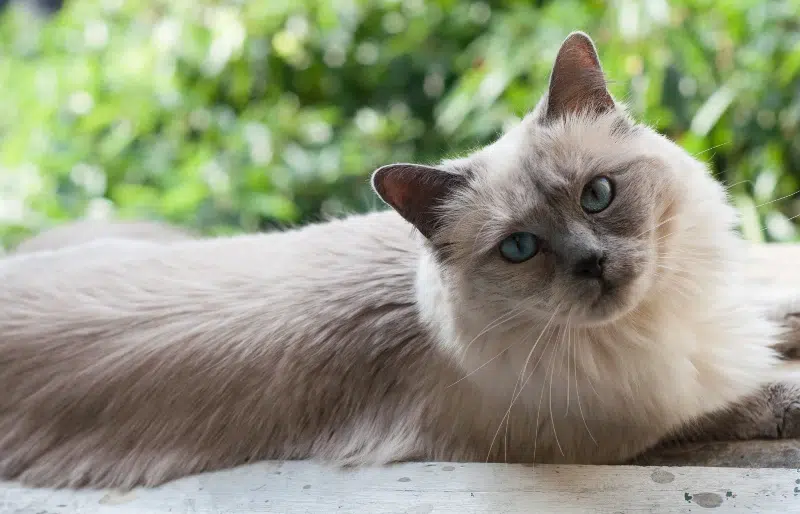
{"type": "Point", "coordinates": [605, 304]}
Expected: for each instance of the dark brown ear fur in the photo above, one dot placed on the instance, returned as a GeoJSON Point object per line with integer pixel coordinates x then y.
{"type": "Point", "coordinates": [416, 191]}
{"type": "Point", "coordinates": [577, 82]}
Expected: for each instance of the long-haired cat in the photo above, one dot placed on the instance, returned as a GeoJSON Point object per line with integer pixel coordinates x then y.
{"type": "Point", "coordinates": [572, 293]}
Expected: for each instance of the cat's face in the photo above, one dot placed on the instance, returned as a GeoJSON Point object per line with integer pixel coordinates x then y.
{"type": "Point", "coordinates": [559, 216]}
{"type": "Point", "coordinates": [567, 215]}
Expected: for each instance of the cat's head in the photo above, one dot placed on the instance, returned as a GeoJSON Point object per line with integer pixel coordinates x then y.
{"type": "Point", "coordinates": [570, 213]}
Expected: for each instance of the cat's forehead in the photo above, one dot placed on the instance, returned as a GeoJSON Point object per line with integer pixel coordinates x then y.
{"type": "Point", "coordinates": [542, 162]}
{"type": "Point", "coordinates": [560, 148]}
{"type": "Point", "coordinates": [535, 171]}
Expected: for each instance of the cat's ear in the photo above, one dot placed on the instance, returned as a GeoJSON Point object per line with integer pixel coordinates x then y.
{"type": "Point", "coordinates": [416, 192]}
{"type": "Point", "coordinates": [577, 82]}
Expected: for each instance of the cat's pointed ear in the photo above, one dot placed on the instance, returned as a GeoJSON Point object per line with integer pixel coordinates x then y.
{"type": "Point", "coordinates": [577, 82]}
{"type": "Point", "coordinates": [416, 192]}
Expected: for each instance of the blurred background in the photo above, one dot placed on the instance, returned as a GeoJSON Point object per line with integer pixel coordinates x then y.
{"type": "Point", "coordinates": [227, 116]}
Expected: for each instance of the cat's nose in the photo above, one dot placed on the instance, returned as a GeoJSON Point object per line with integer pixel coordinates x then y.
{"type": "Point", "coordinates": [590, 266]}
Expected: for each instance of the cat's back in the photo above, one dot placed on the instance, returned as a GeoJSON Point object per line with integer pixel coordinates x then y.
{"type": "Point", "coordinates": [83, 231]}
{"type": "Point", "coordinates": [352, 251]}
{"type": "Point", "coordinates": [354, 236]}
{"type": "Point", "coordinates": [348, 259]}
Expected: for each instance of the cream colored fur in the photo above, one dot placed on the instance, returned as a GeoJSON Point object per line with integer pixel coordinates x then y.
{"type": "Point", "coordinates": [132, 360]}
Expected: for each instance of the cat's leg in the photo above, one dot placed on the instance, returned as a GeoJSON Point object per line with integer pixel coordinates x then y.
{"type": "Point", "coordinates": [773, 412]}
{"type": "Point", "coordinates": [761, 431]}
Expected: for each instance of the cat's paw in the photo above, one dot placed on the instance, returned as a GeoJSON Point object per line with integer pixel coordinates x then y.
{"type": "Point", "coordinates": [749, 433]}
{"type": "Point", "coordinates": [772, 413]}
{"type": "Point", "coordinates": [784, 401]}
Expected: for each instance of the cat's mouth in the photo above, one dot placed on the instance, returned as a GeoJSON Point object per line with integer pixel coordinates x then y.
{"type": "Point", "coordinates": [605, 291]}
{"type": "Point", "coordinates": [605, 301]}
{"type": "Point", "coordinates": [606, 287]}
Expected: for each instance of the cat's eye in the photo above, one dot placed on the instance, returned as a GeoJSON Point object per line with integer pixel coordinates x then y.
{"type": "Point", "coordinates": [519, 247]}
{"type": "Point", "coordinates": [597, 195]}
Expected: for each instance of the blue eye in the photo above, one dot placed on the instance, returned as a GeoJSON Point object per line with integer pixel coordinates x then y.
{"type": "Point", "coordinates": [597, 195]}
{"type": "Point", "coordinates": [519, 247]}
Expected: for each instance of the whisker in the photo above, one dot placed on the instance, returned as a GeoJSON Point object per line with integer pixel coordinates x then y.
{"type": "Point", "coordinates": [697, 256]}
{"type": "Point", "coordinates": [655, 227]}
{"type": "Point", "coordinates": [737, 183]}
{"type": "Point", "coordinates": [478, 235]}
{"type": "Point", "coordinates": [569, 348]}
{"type": "Point", "coordinates": [539, 407]}
{"type": "Point", "coordinates": [533, 348]}
{"type": "Point", "coordinates": [578, 396]}
{"type": "Point", "coordinates": [505, 440]}
{"type": "Point", "coordinates": [779, 199]}
{"type": "Point", "coordinates": [499, 321]}
{"type": "Point", "coordinates": [508, 418]}
{"type": "Point", "coordinates": [678, 287]}
{"type": "Point", "coordinates": [678, 276]}
{"type": "Point", "coordinates": [507, 414]}
{"type": "Point", "coordinates": [499, 354]}
{"type": "Point", "coordinates": [709, 149]}
{"type": "Point", "coordinates": [514, 399]}
{"type": "Point", "coordinates": [525, 365]}
{"type": "Point", "coordinates": [552, 371]}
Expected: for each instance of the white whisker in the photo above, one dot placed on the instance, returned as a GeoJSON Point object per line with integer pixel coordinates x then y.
{"type": "Point", "coordinates": [514, 399]}
{"type": "Point", "coordinates": [578, 396]}
{"type": "Point", "coordinates": [655, 227]}
{"type": "Point", "coordinates": [539, 407]}
{"type": "Point", "coordinates": [569, 348]}
{"type": "Point", "coordinates": [502, 352]}
{"type": "Point", "coordinates": [499, 321]}
{"type": "Point", "coordinates": [709, 149]}
{"type": "Point", "coordinates": [552, 371]}
{"type": "Point", "coordinates": [779, 199]}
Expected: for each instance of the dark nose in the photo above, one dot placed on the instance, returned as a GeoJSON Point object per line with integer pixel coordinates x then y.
{"type": "Point", "coordinates": [590, 266]}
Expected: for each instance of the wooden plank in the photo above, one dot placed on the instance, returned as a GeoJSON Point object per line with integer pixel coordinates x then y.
{"type": "Point", "coordinates": [433, 488]}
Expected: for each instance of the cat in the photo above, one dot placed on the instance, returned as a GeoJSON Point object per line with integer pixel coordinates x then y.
{"type": "Point", "coordinates": [572, 293]}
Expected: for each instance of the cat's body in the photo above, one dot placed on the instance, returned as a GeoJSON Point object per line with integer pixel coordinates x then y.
{"type": "Point", "coordinates": [204, 354]}
{"type": "Point", "coordinates": [127, 361]}
{"type": "Point", "coordinates": [320, 352]}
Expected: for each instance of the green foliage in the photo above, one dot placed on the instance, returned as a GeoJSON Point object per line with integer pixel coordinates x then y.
{"type": "Point", "coordinates": [228, 115]}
